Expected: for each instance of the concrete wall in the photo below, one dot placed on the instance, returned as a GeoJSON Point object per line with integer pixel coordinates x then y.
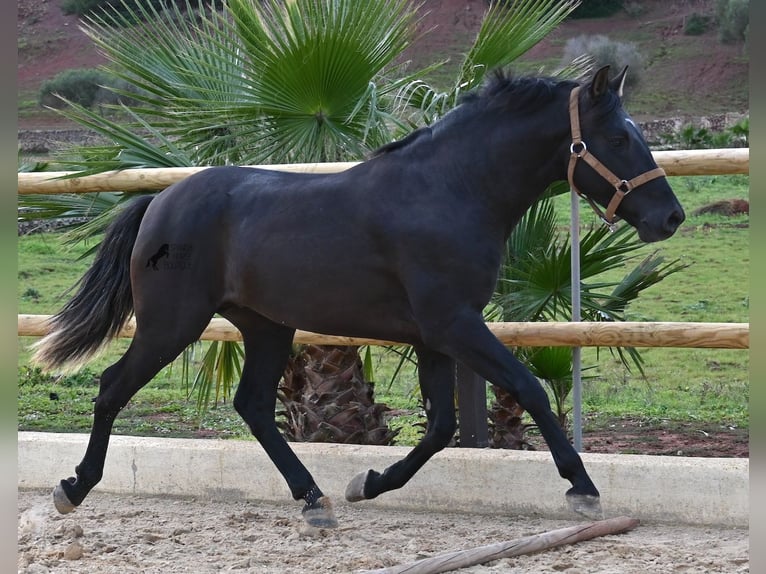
{"type": "Point", "coordinates": [664, 489]}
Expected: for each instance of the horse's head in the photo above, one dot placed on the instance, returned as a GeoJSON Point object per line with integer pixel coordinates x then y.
{"type": "Point", "coordinates": [612, 165]}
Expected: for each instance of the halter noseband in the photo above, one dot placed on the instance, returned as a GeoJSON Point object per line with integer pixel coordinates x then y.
{"type": "Point", "coordinates": [579, 150]}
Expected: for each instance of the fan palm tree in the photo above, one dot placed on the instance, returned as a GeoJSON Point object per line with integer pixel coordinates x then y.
{"type": "Point", "coordinates": [268, 82]}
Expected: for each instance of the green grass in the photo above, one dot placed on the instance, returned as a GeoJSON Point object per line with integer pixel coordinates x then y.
{"type": "Point", "coordinates": [65, 404]}
{"type": "Point", "coordinates": [680, 384]}
{"type": "Point", "coordinates": [47, 269]}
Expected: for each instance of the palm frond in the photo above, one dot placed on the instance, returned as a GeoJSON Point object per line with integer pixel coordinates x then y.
{"type": "Point", "coordinates": [170, 55]}
{"type": "Point", "coordinates": [138, 145]}
{"type": "Point", "coordinates": [553, 366]}
{"type": "Point", "coordinates": [650, 271]}
{"type": "Point", "coordinates": [221, 367]}
{"type": "Point", "coordinates": [59, 206]}
{"type": "Point", "coordinates": [535, 281]}
{"type": "Point", "coordinates": [323, 102]}
{"type": "Point", "coordinates": [508, 31]}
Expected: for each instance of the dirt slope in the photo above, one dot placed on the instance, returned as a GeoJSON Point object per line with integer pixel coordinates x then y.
{"type": "Point", "coordinates": [48, 43]}
{"type": "Point", "coordinates": [683, 75]}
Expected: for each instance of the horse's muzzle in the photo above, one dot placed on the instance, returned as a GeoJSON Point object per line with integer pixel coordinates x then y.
{"type": "Point", "coordinates": [650, 232]}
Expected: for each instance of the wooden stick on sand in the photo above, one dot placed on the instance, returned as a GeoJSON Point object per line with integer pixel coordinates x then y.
{"type": "Point", "coordinates": [448, 561]}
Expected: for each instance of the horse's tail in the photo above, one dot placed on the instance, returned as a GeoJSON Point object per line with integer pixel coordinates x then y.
{"type": "Point", "coordinates": [103, 301]}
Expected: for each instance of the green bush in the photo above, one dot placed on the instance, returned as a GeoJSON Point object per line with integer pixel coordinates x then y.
{"type": "Point", "coordinates": [740, 133]}
{"type": "Point", "coordinates": [607, 52]}
{"type": "Point", "coordinates": [82, 7]}
{"type": "Point", "coordinates": [733, 18]}
{"type": "Point", "coordinates": [696, 24]}
{"type": "Point", "coordinates": [597, 8]}
{"type": "Point", "coordinates": [691, 137]}
{"type": "Point", "coordinates": [78, 85]}
{"type": "Point", "coordinates": [118, 92]}
{"type": "Point", "coordinates": [634, 9]}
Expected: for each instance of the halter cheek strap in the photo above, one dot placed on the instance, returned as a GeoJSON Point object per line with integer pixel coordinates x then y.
{"type": "Point", "coordinates": [578, 150]}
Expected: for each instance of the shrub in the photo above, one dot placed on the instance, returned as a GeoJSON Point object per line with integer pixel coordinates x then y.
{"type": "Point", "coordinates": [82, 7]}
{"type": "Point", "coordinates": [692, 137]}
{"type": "Point", "coordinates": [79, 86]}
{"type": "Point", "coordinates": [733, 20]}
{"type": "Point", "coordinates": [597, 8]}
{"type": "Point", "coordinates": [634, 9]}
{"type": "Point", "coordinates": [606, 52]}
{"type": "Point", "coordinates": [696, 24]}
{"type": "Point", "coordinates": [116, 92]}
{"type": "Point", "coordinates": [740, 133]}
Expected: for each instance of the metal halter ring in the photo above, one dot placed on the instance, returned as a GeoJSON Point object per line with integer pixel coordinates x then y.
{"type": "Point", "coordinates": [624, 186]}
{"type": "Point", "coordinates": [583, 148]}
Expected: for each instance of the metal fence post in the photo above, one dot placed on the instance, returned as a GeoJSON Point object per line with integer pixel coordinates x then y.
{"type": "Point", "coordinates": [472, 408]}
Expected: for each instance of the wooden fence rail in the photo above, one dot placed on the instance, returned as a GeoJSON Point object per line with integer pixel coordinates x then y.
{"type": "Point", "coordinates": [685, 162]}
{"type": "Point", "coordinates": [530, 334]}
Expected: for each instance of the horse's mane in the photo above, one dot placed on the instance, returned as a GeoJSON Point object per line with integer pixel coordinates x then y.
{"type": "Point", "coordinates": [501, 91]}
{"type": "Point", "coordinates": [405, 141]}
{"type": "Point", "coordinates": [507, 92]}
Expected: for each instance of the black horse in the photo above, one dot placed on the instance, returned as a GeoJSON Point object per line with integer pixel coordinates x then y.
{"type": "Point", "coordinates": [403, 247]}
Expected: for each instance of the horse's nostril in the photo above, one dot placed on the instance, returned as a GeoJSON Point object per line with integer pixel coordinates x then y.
{"type": "Point", "coordinates": [675, 219]}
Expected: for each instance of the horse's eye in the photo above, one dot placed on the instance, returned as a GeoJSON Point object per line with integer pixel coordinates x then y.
{"type": "Point", "coordinates": [617, 141]}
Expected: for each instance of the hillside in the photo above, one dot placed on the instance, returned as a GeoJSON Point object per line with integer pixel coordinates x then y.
{"type": "Point", "coordinates": [684, 76]}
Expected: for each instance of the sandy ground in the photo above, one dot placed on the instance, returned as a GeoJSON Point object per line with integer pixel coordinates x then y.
{"type": "Point", "coordinates": [122, 533]}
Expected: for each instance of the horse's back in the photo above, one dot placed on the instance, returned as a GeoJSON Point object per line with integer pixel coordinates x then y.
{"type": "Point", "coordinates": [321, 252]}
{"type": "Point", "coordinates": [294, 247]}
{"type": "Point", "coordinates": [219, 201]}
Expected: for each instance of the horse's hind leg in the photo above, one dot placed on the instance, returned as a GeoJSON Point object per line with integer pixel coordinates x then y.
{"type": "Point", "coordinates": [154, 345]}
{"type": "Point", "coordinates": [436, 376]}
{"type": "Point", "coordinates": [267, 348]}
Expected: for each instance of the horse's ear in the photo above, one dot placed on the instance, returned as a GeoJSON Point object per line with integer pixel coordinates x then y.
{"type": "Point", "coordinates": [618, 83]}
{"type": "Point", "coordinates": [600, 83]}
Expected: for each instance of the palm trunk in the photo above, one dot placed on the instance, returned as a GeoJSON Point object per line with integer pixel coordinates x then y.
{"type": "Point", "coordinates": [326, 399]}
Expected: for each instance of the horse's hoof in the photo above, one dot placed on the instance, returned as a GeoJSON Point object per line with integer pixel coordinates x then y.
{"type": "Point", "coordinates": [320, 514]}
{"type": "Point", "coordinates": [61, 500]}
{"type": "Point", "coordinates": [355, 488]}
{"type": "Point", "coordinates": [587, 505]}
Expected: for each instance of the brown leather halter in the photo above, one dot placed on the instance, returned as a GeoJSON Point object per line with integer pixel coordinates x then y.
{"type": "Point", "coordinates": [579, 150]}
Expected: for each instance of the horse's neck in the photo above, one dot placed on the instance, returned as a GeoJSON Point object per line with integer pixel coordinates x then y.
{"type": "Point", "coordinates": [519, 166]}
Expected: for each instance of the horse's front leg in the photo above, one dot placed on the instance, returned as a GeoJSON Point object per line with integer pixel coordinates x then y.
{"type": "Point", "coordinates": [470, 341]}
{"type": "Point", "coordinates": [436, 376]}
{"type": "Point", "coordinates": [267, 347]}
